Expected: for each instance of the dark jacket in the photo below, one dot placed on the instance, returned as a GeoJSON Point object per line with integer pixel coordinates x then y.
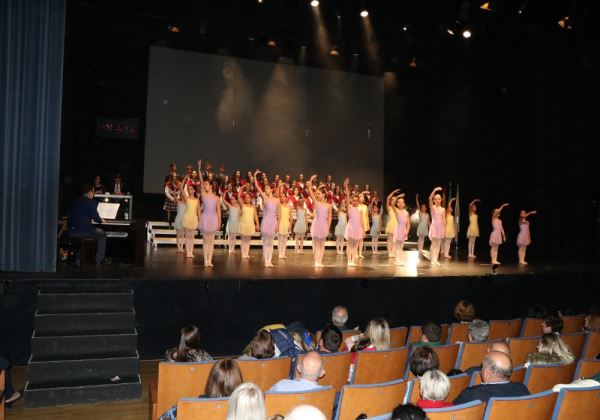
{"type": "Point", "coordinates": [81, 213]}
{"type": "Point", "coordinates": [484, 392]}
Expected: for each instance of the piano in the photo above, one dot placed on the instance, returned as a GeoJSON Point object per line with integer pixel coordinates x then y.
{"type": "Point", "coordinates": [125, 239]}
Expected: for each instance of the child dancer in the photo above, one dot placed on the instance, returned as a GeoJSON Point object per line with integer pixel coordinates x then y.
{"type": "Point", "coordinates": [437, 228]}
{"type": "Point", "coordinates": [497, 236]}
{"type": "Point", "coordinates": [473, 230]}
{"type": "Point", "coordinates": [364, 213]}
{"type": "Point", "coordinates": [233, 221]}
{"type": "Point", "coordinates": [300, 225]}
{"type": "Point", "coordinates": [423, 226]}
{"type": "Point", "coordinates": [402, 227]}
{"type": "Point", "coordinates": [340, 228]}
{"type": "Point", "coordinates": [390, 226]}
{"type": "Point", "coordinates": [170, 204]}
{"type": "Point", "coordinates": [178, 223]}
{"type": "Point", "coordinates": [210, 220]}
{"type": "Point", "coordinates": [248, 220]}
{"type": "Point", "coordinates": [322, 221]}
{"type": "Point", "coordinates": [450, 230]}
{"type": "Point", "coordinates": [268, 225]}
{"type": "Point", "coordinates": [375, 228]}
{"type": "Point", "coordinates": [524, 237]}
{"type": "Point", "coordinates": [191, 217]}
{"type": "Point", "coordinates": [284, 223]}
{"type": "Point", "coordinates": [355, 229]}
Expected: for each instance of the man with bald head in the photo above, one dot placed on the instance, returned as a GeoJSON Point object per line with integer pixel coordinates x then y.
{"type": "Point", "coordinates": [305, 412]}
{"type": "Point", "coordinates": [310, 369]}
{"type": "Point", "coordinates": [499, 346]}
{"type": "Point", "coordinates": [495, 373]}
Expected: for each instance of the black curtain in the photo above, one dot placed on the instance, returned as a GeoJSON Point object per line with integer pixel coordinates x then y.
{"type": "Point", "coordinates": [31, 65]}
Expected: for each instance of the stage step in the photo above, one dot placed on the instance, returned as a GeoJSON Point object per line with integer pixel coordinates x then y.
{"type": "Point", "coordinates": [94, 320]}
{"type": "Point", "coordinates": [83, 391]}
{"type": "Point", "coordinates": [102, 301]}
{"type": "Point", "coordinates": [83, 343]}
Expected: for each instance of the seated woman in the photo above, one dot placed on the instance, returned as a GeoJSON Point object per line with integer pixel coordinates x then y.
{"type": "Point", "coordinates": [189, 347]}
{"type": "Point", "coordinates": [376, 337]}
{"type": "Point", "coordinates": [551, 349]}
{"type": "Point", "coordinates": [261, 347]}
{"type": "Point", "coordinates": [247, 403]}
{"type": "Point", "coordinates": [435, 387]}
{"type": "Point", "coordinates": [464, 312]}
{"type": "Point", "coordinates": [224, 377]}
{"type": "Point", "coordinates": [423, 360]}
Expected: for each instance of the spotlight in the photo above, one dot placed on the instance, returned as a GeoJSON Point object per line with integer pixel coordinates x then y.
{"type": "Point", "coordinates": [364, 13]}
{"type": "Point", "coordinates": [450, 31]}
{"type": "Point", "coordinates": [405, 28]}
{"type": "Point", "coordinates": [314, 3]}
{"type": "Point", "coordinates": [271, 43]}
{"type": "Point", "coordinates": [466, 34]}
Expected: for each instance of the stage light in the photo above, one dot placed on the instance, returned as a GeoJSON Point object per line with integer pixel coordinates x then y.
{"type": "Point", "coordinates": [466, 34]}
{"type": "Point", "coordinates": [314, 3]}
{"type": "Point", "coordinates": [174, 28]}
{"type": "Point", "coordinates": [364, 13]}
{"type": "Point", "coordinates": [450, 31]}
{"type": "Point", "coordinates": [271, 43]}
{"type": "Point", "coordinates": [405, 28]}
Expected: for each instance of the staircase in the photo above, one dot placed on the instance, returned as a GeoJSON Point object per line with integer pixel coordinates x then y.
{"type": "Point", "coordinates": [83, 349]}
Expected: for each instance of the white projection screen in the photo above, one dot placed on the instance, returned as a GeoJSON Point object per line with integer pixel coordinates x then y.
{"type": "Point", "coordinates": [281, 118]}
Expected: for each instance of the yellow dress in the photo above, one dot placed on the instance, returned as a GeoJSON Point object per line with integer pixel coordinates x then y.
{"type": "Point", "coordinates": [390, 226]}
{"type": "Point", "coordinates": [190, 216]}
{"type": "Point", "coordinates": [247, 220]}
{"type": "Point", "coordinates": [450, 229]}
{"type": "Point", "coordinates": [473, 230]}
{"type": "Point", "coordinates": [284, 219]}
{"type": "Point", "coordinates": [364, 213]}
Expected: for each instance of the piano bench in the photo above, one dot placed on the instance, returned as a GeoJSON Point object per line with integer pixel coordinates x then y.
{"type": "Point", "coordinates": [85, 250]}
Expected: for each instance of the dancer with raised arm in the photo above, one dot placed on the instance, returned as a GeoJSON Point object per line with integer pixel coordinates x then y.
{"type": "Point", "coordinates": [340, 227]}
{"type": "Point", "coordinates": [268, 225]}
{"type": "Point", "coordinates": [437, 228]}
{"type": "Point", "coordinates": [402, 227]}
{"type": "Point", "coordinates": [248, 220]}
{"type": "Point", "coordinates": [322, 221]}
{"type": "Point", "coordinates": [375, 227]}
{"type": "Point", "coordinates": [284, 223]}
{"type": "Point", "coordinates": [210, 219]}
{"type": "Point", "coordinates": [497, 236]}
{"type": "Point", "coordinates": [233, 220]}
{"type": "Point", "coordinates": [300, 224]}
{"type": "Point", "coordinates": [473, 229]}
{"type": "Point", "coordinates": [355, 229]}
{"type": "Point", "coordinates": [390, 226]}
{"type": "Point", "coordinates": [191, 216]}
{"type": "Point", "coordinates": [524, 236]}
{"type": "Point", "coordinates": [450, 230]}
{"type": "Point", "coordinates": [423, 226]}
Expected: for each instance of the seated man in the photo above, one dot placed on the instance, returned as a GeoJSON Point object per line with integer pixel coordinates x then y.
{"type": "Point", "coordinates": [331, 339]}
{"type": "Point", "coordinates": [499, 346]}
{"type": "Point", "coordinates": [496, 372]}
{"type": "Point", "coordinates": [310, 370]}
{"type": "Point", "coordinates": [431, 335]}
{"type": "Point", "coordinates": [82, 212]}
{"type": "Point", "coordinates": [118, 187]}
{"type": "Point", "coordinates": [478, 331]}
{"type": "Point", "coordinates": [339, 317]}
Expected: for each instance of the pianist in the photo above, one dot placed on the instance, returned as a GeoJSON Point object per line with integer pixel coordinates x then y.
{"type": "Point", "coordinates": [81, 214]}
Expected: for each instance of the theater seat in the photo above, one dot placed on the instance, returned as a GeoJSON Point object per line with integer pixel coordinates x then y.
{"type": "Point", "coordinates": [532, 327]}
{"type": "Point", "coordinates": [458, 383]}
{"type": "Point", "coordinates": [518, 375]}
{"type": "Point", "coordinates": [531, 407]}
{"type": "Point", "coordinates": [592, 346]}
{"type": "Point", "coordinates": [576, 342]}
{"type": "Point", "coordinates": [469, 411]}
{"type": "Point", "coordinates": [573, 323]}
{"type": "Point", "coordinates": [372, 400]}
{"type": "Point", "coordinates": [472, 354]}
{"type": "Point", "coordinates": [337, 369]}
{"type": "Point", "coordinates": [577, 403]}
{"type": "Point", "coordinates": [458, 332]}
{"type": "Point", "coordinates": [202, 408]}
{"type": "Point", "coordinates": [398, 337]}
{"type": "Point", "coordinates": [544, 377]}
{"type": "Point", "coordinates": [587, 368]}
{"type": "Point", "coordinates": [502, 329]}
{"type": "Point", "coordinates": [283, 402]}
{"type": "Point", "coordinates": [266, 372]}
{"type": "Point", "coordinates": [521, 347]}
{"type": "Point", "coordinates": [374, 367]}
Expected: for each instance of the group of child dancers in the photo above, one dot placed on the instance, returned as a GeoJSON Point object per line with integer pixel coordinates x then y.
{"type": "Point", "coordinates": [290, 207]}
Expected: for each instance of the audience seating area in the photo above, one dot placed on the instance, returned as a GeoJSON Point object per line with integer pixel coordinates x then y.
{"type": "Point", "coordinates": [2, 381]}
{"type": "Point", "coordinates": [382, 379]}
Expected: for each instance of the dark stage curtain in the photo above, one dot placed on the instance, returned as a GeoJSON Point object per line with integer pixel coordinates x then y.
{"type": "Point", "coordinates": [31, 64]}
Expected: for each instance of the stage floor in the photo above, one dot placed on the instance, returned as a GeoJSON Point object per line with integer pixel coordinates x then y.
{"type": "Point", "coordinates": [165, 263]}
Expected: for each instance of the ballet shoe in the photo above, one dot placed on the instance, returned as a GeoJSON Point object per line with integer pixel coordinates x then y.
{"type": "Point", "coordinates": [361, 256]}
{"type": "Point", "coordinates": [495, 262]}
{"type": "Point", "coordinates": [447, 256]}
{"type": "Point", "coordinates": [436, 263]}
{"type": "Point", "coordinates": [190, 255]}
{"type": "Point", "coordinates": [523, 262]}
{"type": "Point", "coordinates": [351, 264]}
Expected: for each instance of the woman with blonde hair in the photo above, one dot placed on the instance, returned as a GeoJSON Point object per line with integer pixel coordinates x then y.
{"type": "Point", "coordinates": [247, 403]}
{"type": "Point", "coordinates": [551, 349]}
{"type": "Point", "coordinates": [376, 337]}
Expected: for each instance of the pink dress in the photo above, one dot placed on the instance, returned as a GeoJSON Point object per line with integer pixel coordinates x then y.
{"type": "Point", "coordinates": [496, 235]}
{"type": "Point", "coordinates": [320, 226]}
{"type": "Point", "coordinates": [524, 237]}
{"type": "Point", "coordinates": [268, 225]}
{"type": "Point", "coordinates": [436, 228]}
{"type": "Point", "coordinates": [354, 228]}
{"type": "Point", "coordinates": [400, 231]}
{"type": "Point", "coordinates": [209, 220]}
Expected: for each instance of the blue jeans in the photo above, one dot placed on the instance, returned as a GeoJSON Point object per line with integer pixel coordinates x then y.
{"type": "Point", "coordinates": [99, 236]}
{"type": "Point", "coordinates": [9, 390]}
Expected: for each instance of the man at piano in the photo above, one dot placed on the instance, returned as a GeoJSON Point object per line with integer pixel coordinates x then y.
{"type": "Point", "coordinates": [82, 212]}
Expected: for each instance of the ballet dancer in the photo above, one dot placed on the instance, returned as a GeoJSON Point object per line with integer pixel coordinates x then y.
{"type": "Point", "coordinates": [450, 229]}
{"type": "Point", "coordinates": [191, 217]}
{"type": "Point", "coordinates": [300, 224]}
{"type": "Point", "coordinates": [375, 227]}
{"type": "Point", "coordinates": [473, 229]}
{"type": "Point", "coordinates": [248, 220]}
{"type": "Point", "coordinates": [178, 222]}
{"type": "Point", "coordinates": [437, 228]}
{"type": "Point", "coordinates": [210, 219]}
{"type": "Point", "coordinates": [364, 213]}
{"type": "Point", "coordinates": [402, 227]}
{"type": "Point", "coordinates": [390, 226]}
{"type": "Point", "coordinates": [268, 225]}
{"type": "Point", "coordinates": [497, 237]}
{"type": "Point", "coordinates": [524, 236]}
{"type": "Point", "coordinates": [322, 221]}
{"type": "Point", "coordinates": [233, 221]}
{"type": "Point", "coordinates": [355, 229]}
{"type": "Point", "coordinates": [423, 226]}
{"type": "Point", "coordinates": [340, 228]}
{"type": "Point", "coordinates": [284, 223]}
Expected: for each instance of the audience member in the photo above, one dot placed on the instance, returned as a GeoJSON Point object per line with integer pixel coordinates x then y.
{"type": "Point", "coordinates": [339, 317]}
{"type": "Point", "coordinates": [118, 187]}
{"type": "Point", "coordinates": [551, 349]}
{"type": "Point", "coordinates": [82, 212]}
{"type": "Point", "coordinates": [464, 312]}
{"type": "Point", "coordinates": [478, 331]}
{"type": "Point", "coordinates": [592, 321]}
{"type": "Point", "coordinates": [305, 412]}
{"type": "Point", "coordinates": [496, 372]}
{"type": "Point", "coordinates": [188, 349]}
{"type": "Point", "coordinates": [423, 359]}
{"type": "Point", "coordinates": [435, 387]}
{"type": "Point", "coordinates": [499, 346]}
{"type": "Point", "coordinates": [408, 412]}
{"type": "Point", "coordinates": [431, 335]}
{"type": "Point", "coordinates": [261, 347]}
{"type": "Point", "coordinates": [552, 324]}
{"type": "Point", "coordinates": [310, 369]}
{"type": "Point", "coordinates": [376, 337]}
{"type": "Point", "coordinates": [10, 395]}
{"type": "Point", "coordinates": [247, 403]}
{"type": "Point", "coordinates": [98, 186]}
{"type": "Point", "coordinates": [331, 339]}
